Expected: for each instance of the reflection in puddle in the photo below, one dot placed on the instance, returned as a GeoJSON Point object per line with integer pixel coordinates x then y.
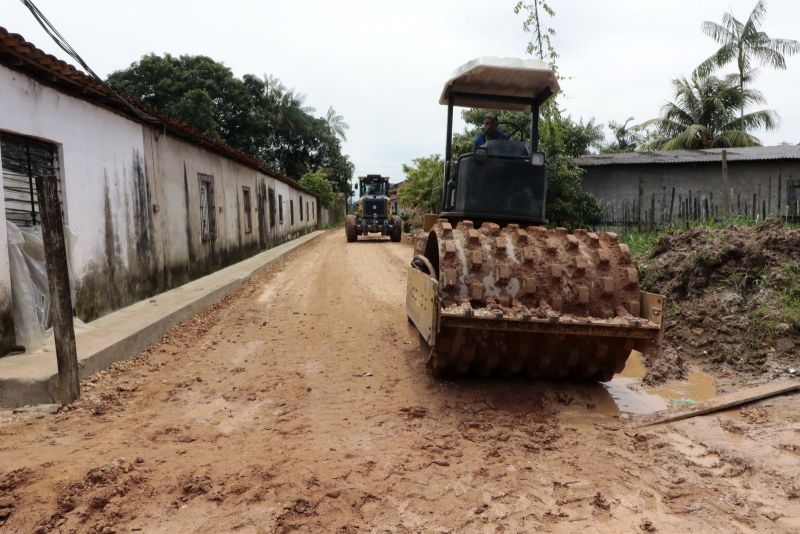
{"type": "Point", "coordinates": [631, 397]}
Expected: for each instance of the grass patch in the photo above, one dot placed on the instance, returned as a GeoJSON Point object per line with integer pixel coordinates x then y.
{"type": "Point", "coordinates": [761, 327]}
{"type": "Point", "coordinates": [790, 294]}
{"type": "Point", "coordinates": [780, 306]}
{"type": "Point", "coordinates": [705, 260]}
{"type": "Point", "coordinates": [744, 281]}
{"type": "Point", "coordinates": [641, 243]}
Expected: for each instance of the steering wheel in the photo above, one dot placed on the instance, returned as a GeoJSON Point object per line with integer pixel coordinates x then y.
{"type": "Point", "coordinates": [515, 130]}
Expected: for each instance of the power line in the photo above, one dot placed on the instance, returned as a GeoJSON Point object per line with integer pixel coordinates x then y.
{"type": "Point", "coordinates": [66, 47]}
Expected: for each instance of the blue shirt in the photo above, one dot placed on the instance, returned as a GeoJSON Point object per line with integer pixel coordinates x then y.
{"type": "Point", "coordinates": [481, 139]}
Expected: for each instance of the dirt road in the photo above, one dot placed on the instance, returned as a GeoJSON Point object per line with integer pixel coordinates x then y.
{"type": "Point", "coordinates": [301, 403]}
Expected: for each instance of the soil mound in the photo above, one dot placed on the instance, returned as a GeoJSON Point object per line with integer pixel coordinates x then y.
{"type": "Point", "coordinates": [687, 263]}
{"type": "Point", "coordinates": [733, 297]}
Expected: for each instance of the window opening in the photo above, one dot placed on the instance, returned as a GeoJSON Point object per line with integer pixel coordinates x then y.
{"type": "Point", "coordinates": [23, 159]}
{"type": "Point", "coordinates": [271, 195]}
{"type": "Point", "coordinates": [248, 222]}
{"type": "Point", "coordinates": [207, 215]}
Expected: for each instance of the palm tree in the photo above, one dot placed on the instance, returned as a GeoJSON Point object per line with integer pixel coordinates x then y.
{"type": "Point", "coordinates": [336, 123]}
{"type": "Point", "coordinates": [626, 138]}
{"type": "Point", "coordinates": [744, 42]}
{"type": "Point", "coordinates": [703, 115]}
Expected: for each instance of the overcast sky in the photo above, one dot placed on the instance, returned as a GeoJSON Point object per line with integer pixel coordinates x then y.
{"type": "Point", "coordinates": [382, 64]}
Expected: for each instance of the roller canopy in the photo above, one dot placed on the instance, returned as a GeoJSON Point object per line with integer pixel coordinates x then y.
{"type": "Point", "coordinates": [484, 79]}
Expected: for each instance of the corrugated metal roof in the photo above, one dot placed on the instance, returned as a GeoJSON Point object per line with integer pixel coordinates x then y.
{"type": "Point", "coordinates": [18, 54]}
{"type": "Point", "coordinates": [754, 153]}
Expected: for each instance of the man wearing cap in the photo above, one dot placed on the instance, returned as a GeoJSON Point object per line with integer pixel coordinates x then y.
{"type": "Point", "coordinates": [490, 131]}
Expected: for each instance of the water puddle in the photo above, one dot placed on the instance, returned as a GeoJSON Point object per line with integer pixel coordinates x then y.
{"type": "Point", "coordinates": [632, 397]}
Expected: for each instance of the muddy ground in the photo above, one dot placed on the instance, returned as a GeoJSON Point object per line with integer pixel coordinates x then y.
{"type": "Point", "coordinates": [301, 404]}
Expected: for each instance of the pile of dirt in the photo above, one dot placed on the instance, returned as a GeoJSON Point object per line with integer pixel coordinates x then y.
{"type": "Point", "coordinates": [409, 238]}
{"type": "Point", "coordinates": [733, 299]}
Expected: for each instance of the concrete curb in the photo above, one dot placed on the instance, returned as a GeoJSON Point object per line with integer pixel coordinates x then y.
{"type": "Point", "coordinates": [32, 378]}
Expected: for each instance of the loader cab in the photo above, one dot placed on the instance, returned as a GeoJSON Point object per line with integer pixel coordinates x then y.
{"type": "Point", "coordinates": [373, 202]}
{"type": "Point", "coordinates": [373, 186]}
{"type": "Point", "coordinates": [503, 181]}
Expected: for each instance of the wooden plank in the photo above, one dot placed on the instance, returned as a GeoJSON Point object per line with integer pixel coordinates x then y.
{"type": "Point", "coordinates": [55, 255]}
{"type": "Point", "coordinates": [731, 400]}
{"type": "Point", "coordinates": [671, 205]}
{"type": "Point", "coordinates": [639, 205]}
{"type": "Point", "coordinates": [726, 186]}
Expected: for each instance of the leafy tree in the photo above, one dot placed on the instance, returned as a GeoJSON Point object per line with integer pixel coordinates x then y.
{"type": "Point", "coordinates": [560, 138]}
{"type": "Point", "coordinates": [257, 115]}
{"type": "Point", "coordinates": [568, 204]}
{"type": "Point", "coordinates": [541, 43]}
{"type": "Point", "coordinates": [703, 115]}
{"type": "Point", "coordinates": [745, 43]}
{"type": "Point", "coordinates": [193, 89]}
{"type": "Point", "coordinates": [423, 185]}
{"type": "Point", "coordinates": [319, 184]}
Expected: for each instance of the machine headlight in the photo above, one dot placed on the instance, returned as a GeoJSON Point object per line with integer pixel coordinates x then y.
{"type": "Point", "coordinates": [537, 159]}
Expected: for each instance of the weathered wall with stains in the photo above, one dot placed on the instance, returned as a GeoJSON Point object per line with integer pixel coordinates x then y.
{"type": "Point", "coordinates": [131, 195]}
{"type": "Point", "coordinates": [333, 215]}
{"type": "Point", "coordinates": [99, 153]}
{"type": "Point", "coordinates": [627, 192]}
{"type": "Point", "coordinates": [178, 252]}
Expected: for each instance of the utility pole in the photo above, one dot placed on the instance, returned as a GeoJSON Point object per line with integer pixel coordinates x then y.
{"type": "Point", "coordinates": [55, 255]}
{"type": "Point", "coordinates": [726, 187]}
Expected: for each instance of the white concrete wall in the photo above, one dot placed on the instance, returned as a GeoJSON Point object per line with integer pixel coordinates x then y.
{"type": "Point", "coordinates": [131, 195]}
{"type": "Point", "coordinates": [97, 149]}
{"type": "Point", "coordinates": [173, 165]}
{"type": "Point", "coordinates": [334, 214]}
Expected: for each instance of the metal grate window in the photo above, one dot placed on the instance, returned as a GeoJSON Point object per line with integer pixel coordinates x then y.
{"type": "Point", "coordinates": [23, 159]}
{"type": "Point", "coordinates": [272, 208]}
{"type": "Point", "coordinates": [207, 216]}
{"type": "Point", "coordinates": [248, 221]}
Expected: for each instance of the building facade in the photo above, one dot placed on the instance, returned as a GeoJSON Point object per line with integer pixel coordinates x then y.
{"type": "Point", "coordinates": [637, 188]}
{"type": "Point", "coordinates": [148, 205]}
